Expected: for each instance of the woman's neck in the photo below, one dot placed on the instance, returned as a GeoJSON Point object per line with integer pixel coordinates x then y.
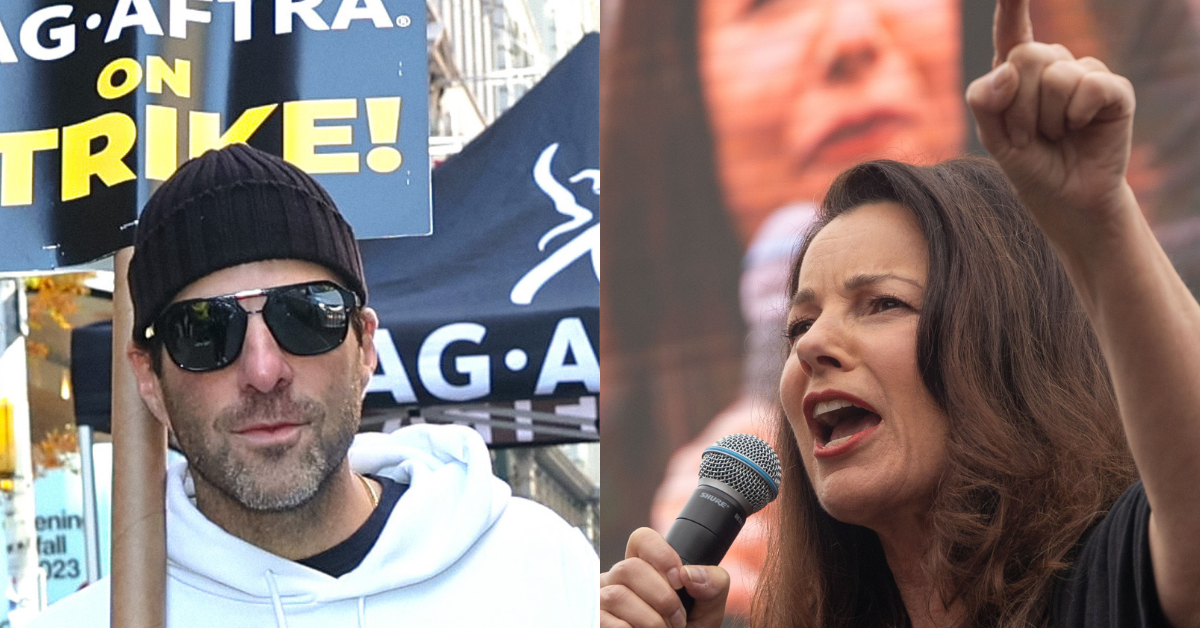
{"type": "Point", "coordinates": [906, 544]}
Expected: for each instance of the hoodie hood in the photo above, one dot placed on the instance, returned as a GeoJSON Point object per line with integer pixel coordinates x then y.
{"type": "Point", "coordinates": [452, 500]}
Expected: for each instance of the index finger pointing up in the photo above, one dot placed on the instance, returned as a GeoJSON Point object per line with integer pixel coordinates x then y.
{"type": "Point", "coordinates": [1011, 26]}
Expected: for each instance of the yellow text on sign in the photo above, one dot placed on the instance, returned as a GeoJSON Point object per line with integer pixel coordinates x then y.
{"type": "Point", "coordinates": [98, 148]}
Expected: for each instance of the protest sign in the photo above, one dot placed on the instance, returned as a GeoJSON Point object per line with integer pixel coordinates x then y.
{"type": "Point", "coordinates": [101, 101]}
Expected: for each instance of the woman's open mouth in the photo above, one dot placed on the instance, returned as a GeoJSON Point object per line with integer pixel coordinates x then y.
{"type": "Point", "coordinates": [838, 424]}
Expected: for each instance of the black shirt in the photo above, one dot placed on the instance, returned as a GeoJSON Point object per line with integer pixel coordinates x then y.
{"type": "Point", "coordinates": [345, 556]}
{"type": "Point", "coordinates": [1112, 581]}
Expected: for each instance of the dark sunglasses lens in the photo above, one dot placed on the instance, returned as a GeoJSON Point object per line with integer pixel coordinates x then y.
{"type": "Point", "coordinates": [309, 319]}
{"type": "Point", "coordinates": [204, 335]}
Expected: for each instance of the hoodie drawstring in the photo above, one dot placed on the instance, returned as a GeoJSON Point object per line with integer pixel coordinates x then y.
{"type": "Point", "coordinates": [280, 620]}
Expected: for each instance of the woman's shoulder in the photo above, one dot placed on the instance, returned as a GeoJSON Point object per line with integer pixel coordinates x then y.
{"type": "Point", "coordinates": [1111, 580]}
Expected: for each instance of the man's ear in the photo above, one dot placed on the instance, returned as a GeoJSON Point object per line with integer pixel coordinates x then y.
{"type": "Point", "coordinates": [367, 356]}
{"type": "Point", "coordinates": [147, 382]}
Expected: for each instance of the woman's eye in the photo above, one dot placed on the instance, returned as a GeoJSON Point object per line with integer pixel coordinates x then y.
{"type": "Point", "coordinates": [880, 304]}
{"type": "Point", "coordinates": [795, 329]}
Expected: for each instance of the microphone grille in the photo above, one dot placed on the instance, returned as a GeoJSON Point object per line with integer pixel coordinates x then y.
{"type": "Point", "coordinates": [747, 464]}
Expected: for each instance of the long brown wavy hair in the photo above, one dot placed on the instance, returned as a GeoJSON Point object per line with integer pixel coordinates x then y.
{"type": "Point", "coordinates": [1036, 452]}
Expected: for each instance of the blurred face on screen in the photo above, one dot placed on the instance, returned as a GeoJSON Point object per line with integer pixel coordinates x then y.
{"type": "Point", "coordinates": [798, 90]}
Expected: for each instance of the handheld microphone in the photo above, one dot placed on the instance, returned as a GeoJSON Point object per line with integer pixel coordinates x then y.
{"type": "Point", "coordinates": [739, 475]}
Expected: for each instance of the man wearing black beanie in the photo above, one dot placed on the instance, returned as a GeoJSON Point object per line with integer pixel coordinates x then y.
{"type": "Point", "coordinates": [253, 345]}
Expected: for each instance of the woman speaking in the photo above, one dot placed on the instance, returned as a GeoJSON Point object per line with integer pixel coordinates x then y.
{"type": "Point", "coordinates": [974, 369]}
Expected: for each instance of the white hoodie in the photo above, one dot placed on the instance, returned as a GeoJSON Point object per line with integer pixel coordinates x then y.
{"type": "Point", "coordinates": [458, 550]}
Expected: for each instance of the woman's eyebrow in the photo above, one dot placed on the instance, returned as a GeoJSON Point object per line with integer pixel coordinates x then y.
{"type": "Point", "coordinates": [802, 297]}
{"type": "Point", "coordinates": [858, 281]}
{"type": "Point", "coordinates": [806, 296]}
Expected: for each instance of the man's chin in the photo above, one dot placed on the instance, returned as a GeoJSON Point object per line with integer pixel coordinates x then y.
{"type": "Point", "coordinates": [276, 497]}
{"type": "Point", "coordinates": [269, 480]}
{"type": "Point", "coordinates": [277, 502]}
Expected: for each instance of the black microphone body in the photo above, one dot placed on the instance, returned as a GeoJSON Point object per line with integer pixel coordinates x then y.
{"type": "Point", "coordinates": [706, 526]}
{"type": "Point", "coordinates": [739, 475]}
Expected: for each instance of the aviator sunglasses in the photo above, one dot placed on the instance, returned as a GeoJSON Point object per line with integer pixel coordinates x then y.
{"type": "Point", "coordinates": [206, 334]}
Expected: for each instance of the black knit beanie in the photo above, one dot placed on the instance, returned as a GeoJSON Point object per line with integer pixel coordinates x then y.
{"type": "Point", "coordinates": [228, 207]}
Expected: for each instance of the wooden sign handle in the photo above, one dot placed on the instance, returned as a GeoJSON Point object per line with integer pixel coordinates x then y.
{"type": "Point", "coordinates": [139, 549]}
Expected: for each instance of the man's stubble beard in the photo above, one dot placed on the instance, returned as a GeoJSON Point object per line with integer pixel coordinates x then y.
{"type": "Point", "coordinates": [280, 478]}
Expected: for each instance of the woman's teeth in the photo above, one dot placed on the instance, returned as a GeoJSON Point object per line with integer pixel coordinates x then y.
{"type": "Point", "coordinates": [838, 441]}
{"type": "Point", "coordinates": [830, 406]}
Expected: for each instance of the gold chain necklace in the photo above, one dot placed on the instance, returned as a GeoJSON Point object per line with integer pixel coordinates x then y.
{"type": "Point", "coordinates": [370, 490]}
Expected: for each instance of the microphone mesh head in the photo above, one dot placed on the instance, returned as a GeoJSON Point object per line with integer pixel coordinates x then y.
{"type": "Point", "coordinates": [742, 477]}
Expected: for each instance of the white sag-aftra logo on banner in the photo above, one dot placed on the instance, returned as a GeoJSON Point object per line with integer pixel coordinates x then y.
{"type": "Point", "coordinates": [584, 243]}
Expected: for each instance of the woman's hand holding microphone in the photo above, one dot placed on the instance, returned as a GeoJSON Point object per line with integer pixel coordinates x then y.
{"type": "Point", "coordinates": [639, 592]}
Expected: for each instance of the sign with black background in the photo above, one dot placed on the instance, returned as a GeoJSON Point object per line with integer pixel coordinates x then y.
{"type": "Point", "coordinates": [101, 100]}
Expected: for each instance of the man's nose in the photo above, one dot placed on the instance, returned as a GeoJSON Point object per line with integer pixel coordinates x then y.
{"type": "Point", "coordinates": [263, 364]}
